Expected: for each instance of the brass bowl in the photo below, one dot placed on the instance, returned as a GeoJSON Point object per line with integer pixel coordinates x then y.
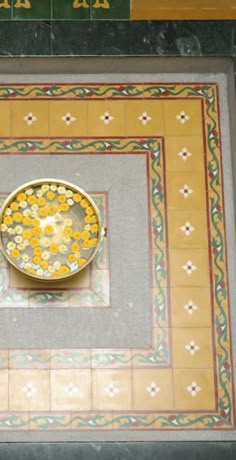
{"type": "Point", "coordinates": [49, 229]}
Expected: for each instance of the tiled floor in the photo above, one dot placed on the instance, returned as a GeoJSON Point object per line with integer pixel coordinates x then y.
{"type": "Point", "coordinates": [183, 379]}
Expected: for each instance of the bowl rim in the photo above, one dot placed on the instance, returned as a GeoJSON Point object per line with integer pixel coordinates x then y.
{"type": "Point", "coordinates": [58, 182]}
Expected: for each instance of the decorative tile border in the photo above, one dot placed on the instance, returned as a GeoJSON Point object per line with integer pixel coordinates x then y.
{"type": "Point", "coordinates": [223, 415]}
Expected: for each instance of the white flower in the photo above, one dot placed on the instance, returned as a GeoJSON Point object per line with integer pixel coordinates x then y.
{"type": "Point", "coordinates": [57, 265]}
{"type": "Point", "coordinates": [45, 255]}
{"type": "Point", "coordinates": [29, 390]}
{"type": "Point", "coordinates": [184, 154]}
{"type": "Point", "coordinates": [144, 118]}
{"type": "Point", "coordinates": [87, 227]}
{"type": "Point", "coordinates": [35, 207]}
{"type": "Point", "coordinates": [69, 193]}
{"type": "Point", "coordinates": [152, 389]}
{"type": "Point", "coordinates": [182, 117]}
{"type": "Point", "coordinates": [192, 347]}
{"type": "Point", "coordinates": [53, 187]}
{"type": "Point", "coordinates": [193, 389]}
{"type": "Point", "coordinates": [39, 272]}
{"type": "Point", "coordinates": [8, 212]}
{"type": "Point", "coordinates": [62, 248]}
{"type": "Point", "coordinates": [106, 118]}
{"type": "Point", "coordinates": [190, 307]}
{"type": "Point", "coordinates": [26, 212]}
{"type": "Point", "coordinates": [25, 257]}
{"type": "Point", "coordinates": [29, 191]}
{"type": "Point", "coordinates": [187, 228]}
{"type": "Point", "coordinates": [30, 118]}
{"type": "Point", "coordinates": [61, 190]}
{"type": "Point", "coordinates": [68, 119]}
{"type": "Point", "coordinates": [71, 390]}
{"type": "Point", "coordinates": [23, 204]}
{"type": "Point", "coordinates": [39, 193]}
{"type": "Point", "coordinates": [44, 242]}
{"type": "Point", "coordinates": [11, 231]}
{"type": "Point", "coordinates": [70, 202]}
{"type": "Point", "coordinates": [189, 267]}
{"type": "Point", "coordinates": [186, 191]}
{"type": "Point", "coordinates": [51, 269]}
{"type": "Point", "coordinates": [3, 227]}
{"type": "Point", "coordinates": [18, 239]}
{"type": "Point", "coordinates": [111, 390]}
{"type": "Point", "coordinates": [21, 246]}
{"type": "Point", "coordinates": [11, 245]}
{"type": "Point", "coordinates": [68, 222]}
{"type": "Point", "coordinates": [45, 188]}
{"type": "Point", "coordinates": [27, 266]}
{"type": "Point", "coordinates": [18, 229]}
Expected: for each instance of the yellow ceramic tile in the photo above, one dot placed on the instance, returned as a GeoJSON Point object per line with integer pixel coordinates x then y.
{"type": "Point", "coordinates": [184, 153]}
{"type": "Point", "coordinates": [3, 390]}
{"type": "Point", "coordinates": [190, 307]}
{"type": "Point", "coordinates": [28, 390]}
{"type": "Point", "coordinates": [5, 119]}
{"type": "Point", "coordinates": [68, 118]}
{"type": "Point", "coordinates": [189, 267]}
{"type": "Point", "coordinates": [194, 389]}
{"type": "Point", "coordinates": [187, 229]}
{"type": "Point", "coordinates": [30, 119]}
{"type": "Point", "coordinates": [186, 190]}
{"type": "Point", "coordinates": [111, 389]}
{"type": "Point", "coordinates": [182, 117]}
{"type": "Point", "coordinates": [152, 389]}
{"type": "Point", "coordinates": [144, 117]}
{"type": "Point", "coordinates": [106, 118]}
{"type": "Point", "coordinates": [192, 348]}
{"type": "Point", "coordinates": [71, 389]}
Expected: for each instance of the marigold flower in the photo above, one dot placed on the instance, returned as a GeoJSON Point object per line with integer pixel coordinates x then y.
{"type": "Point", "coordinates": [71, 258]}
{"type": "Point", "coordinates": [53, 248]}
{"type": "Point", "coordinates": [34, 242]}
{"type": "Point", "coordinates": [82, 261]}
{"type": "Point", "coordinates": [48, 229]}
{"type": "Point", "coordinates": [37, 251]}
{"type": "Point", "coordinates": [8, 220]}
{"type": "Point", "coordinates": [61, 199]}
{"type": "Point", "coordinates": [75, 247]}
{"type": "Point", "coordinates": [31, 199]}
{"type": "Point", "coordinates": [77, 197]}
{"type": "Point", "coordinates": [21, 196]}
{"type": "Point", "coordinates": [14, 206]}
{"type": "Point", "coordinates": [41, 201]}
{"type": "Point", "coordinates": [17, 216]}
{"type": "Point", "coordinates": [94, 228]}
{"type": "Point", "coordinates": [89, 210]}
{"type": "Point", "coordinates": [63, 207]}
{"type": "Point", "coordinates": [77, 235]}
{"type": "Point", "coordinates": [84, 203]}
{"type": "Point", "coordinates": [15, 253]}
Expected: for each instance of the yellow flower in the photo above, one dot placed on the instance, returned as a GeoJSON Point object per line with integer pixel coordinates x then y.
{"type": "Point", "coordinates": [36, 231]}
{"type": "Point", "coordinates": [87, 219]}
{"type": "Point", "coordinates": [75, 247]}
{"type": "Point", "coordinates": [43, 212]}
{"type": "Point", "coordinates": [63, 207]}
{"type": "Point", "coordinates": [77, 235]}
{"type": "Point", "coordinates": [8, 220]}
{"type": "Point", "coordinates": [93, 219]}
{"type": "Point", "coordinates": [17, 216]}
{"type": "Point", "coordinates": [36, 260]}
{"type": "Point", "coordinates": [94, 241]}
{"type": "Point", "coordinates": [77, 197]}
{"type": "Point", "coordinates": [84, 203]}
{"type": "Point", "coordinates": [14, 206]}
{"type": "Point", "coordinates": [35, 222]}
{"type": "Point", "coordinates": [85, 235]}
{"type": "Point", "coordinates": [21, 197]}
{"type": "Point", "coordinates": [27, 234]}
{"type": "Point", "coordinates": [52, 209]}
{"type": "Point", "coordinates": [71, 258]}
{"type": "Point", "coordinates": [64, 269]}
{"type": "Point", "coordinates": [27, 220]}
{"type": "Point", "coordinates": [48, 229]}
{"type": "Point", "coordinates": [41, 201]}
{"type": "Point", "coordinates": [94, 228]}
{"type": "Point", "coordinates": [86, 244]}
{"type": "Point", "coordinates": [61, 199]}
{"type": "Point", "coordinates": [43, 264]}
{"type": "Point", "coordinates": [38, 251]}
{"type": "Point", "coordinates": [31, 199]}
{"type": "Point", "coordinates": [50, 195]}
{"type": "Point", "coordinates": [89, 210]}
{"type": "Point", "coordinates": [53, 248]}
{"type": "Point", "coordinates": [15, 253]}
{"type": "Point", "coordinates": [68, 231]}
{"type": "Point", "coordinates": [82, 261]}
{"type": "Point", "coordinates": [34, 242]}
